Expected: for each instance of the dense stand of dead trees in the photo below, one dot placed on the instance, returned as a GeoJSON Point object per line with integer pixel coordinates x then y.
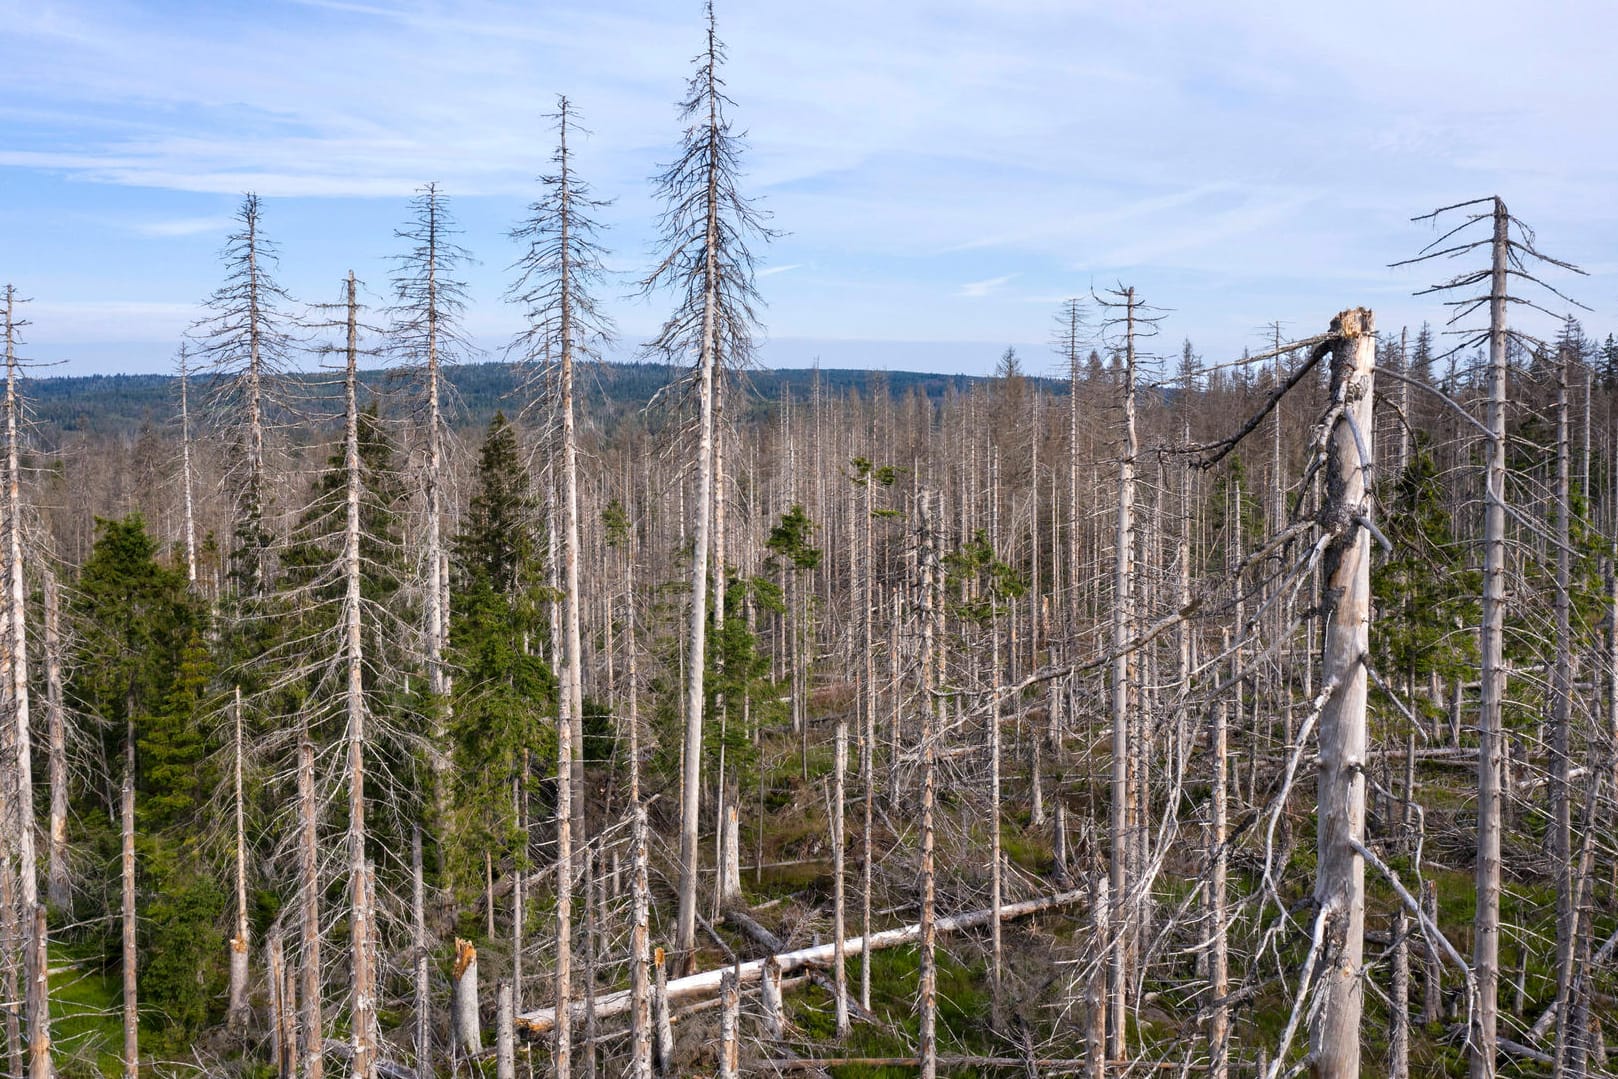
{"type": "Point", "coordinates": [1086, 652]}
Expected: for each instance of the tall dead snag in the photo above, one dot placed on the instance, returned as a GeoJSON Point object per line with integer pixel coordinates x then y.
{"type": "Point", "coordinates": [706, 226]}
{"type": "Point", "coordinates": [362, 1013]}
{"type": "Point", "coordinates": [1508, 257]}
{"type": "Point", "coordinates": [428, 302]}
{"type": "Point", "coordinates": [1561, 785]}
{"type": "Point", "coordinates": [1334, 1028]}
{"type": "Point", "coordinates": [36, 992]}
{"type": "Point", "coordinates": [931, 719]}
{"type": "Point", "coordinates": [1123, 626]}
{"type": "Point", "coordinates": [1219, 862]}
{"type": "Point", "coordinates": [242, 343]}
{"type": "Point", "coordinates": [562, 261]}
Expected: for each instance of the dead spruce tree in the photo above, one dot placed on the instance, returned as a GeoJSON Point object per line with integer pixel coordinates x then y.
{"type": "Point", "coordinates": [706, 227]}
{"type": "Point", "coordinates": [17, 844]}
{"type": "Point", "coordinates": [242, 342]}
{"type": "Point", "coordinates": [1334, 1034]}
{"type": "Point", "coordinates": [556, 273]}
{"type": "Point", "coordinates": [429, 300]}
{"type": "Point", "coordinates": [1508, 257]}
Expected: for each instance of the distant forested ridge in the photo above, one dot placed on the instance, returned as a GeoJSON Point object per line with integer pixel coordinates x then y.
{"type": "Point", "coordinates": [120, 405]}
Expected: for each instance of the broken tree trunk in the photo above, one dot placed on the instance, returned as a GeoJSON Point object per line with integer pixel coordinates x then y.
{"type": "Point", "coordinates": [1334, 1029]}
{"type": "Point", "coordinates": [706, 984]}
{"type": "Point", "coordinates": [464, 979]}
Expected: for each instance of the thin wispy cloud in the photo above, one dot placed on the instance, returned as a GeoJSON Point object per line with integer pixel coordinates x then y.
{"type": "Point", "coordinates": [972, 143]}
{"type": "Point", "coordinates": [976, 290]}
{"type": "Point", "coordinates": [182, 226]}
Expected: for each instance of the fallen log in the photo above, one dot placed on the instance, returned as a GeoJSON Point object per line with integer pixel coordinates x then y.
{"type": "Point", "coordinates": [706, 983]}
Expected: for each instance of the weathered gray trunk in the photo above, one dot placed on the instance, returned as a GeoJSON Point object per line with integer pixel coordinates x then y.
{"type": "Point", "coordinates": [464, 999]}
{"type": "Point", "coordinates": [729, 1004]}
{"type": "Point", "coordinates": [1486, 924]}
{"type": "Point", "coordinates": [932, 706]}
{"type": "Point", "coordinates": [56, 889]}
{"type": "Point", "coordinates": [1568, 1036]}
{"type": "Point", "coordinates": [505, 1034]}
{"type": "Point", "coordinates": [1123, 577]}
{"type": "Point", "coordinates": [1399, 999]}
{"type": "Point", "coordinates": [361, 917]}
{"type": "Point", "coordinates": [1334, 1028]}
{"type": "Point", "coordinates": [236, 1010]}
{"type": "Point", "coordinates": [1218, 864]}
{"type": "Point", "coordinates": [131, 1012]}
{"type": "Point", "coordinates": [309, 889]}
{"type": "Point", "coordinates": [640, 1018]}
{"type": "Point", "coordinates": [421, 969]}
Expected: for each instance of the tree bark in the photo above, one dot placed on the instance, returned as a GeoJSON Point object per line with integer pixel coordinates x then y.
{"type": "Point", "coordinates": [1486, 923]}
{"type": "Point", "coordinates": [1334, 1029]}
{"type": "Point", "coordinates": [362, 1012]}
{"type": "Point", "coordinates": [57, 888]}
{"type": "Point", "coordinates": [236, 1010]}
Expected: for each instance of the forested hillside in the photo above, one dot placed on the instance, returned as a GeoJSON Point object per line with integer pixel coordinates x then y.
{"type": "Point", "coordinates": [1182, 715]}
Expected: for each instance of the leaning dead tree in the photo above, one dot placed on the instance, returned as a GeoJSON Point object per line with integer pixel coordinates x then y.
{"type": "Point", "coordinates": [557, 272]}
{"type": "Point", "coordinates": [706, 224]}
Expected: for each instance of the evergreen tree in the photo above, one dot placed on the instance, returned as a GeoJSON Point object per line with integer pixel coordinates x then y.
{"type": "Point", "coordinates": [504, 690]}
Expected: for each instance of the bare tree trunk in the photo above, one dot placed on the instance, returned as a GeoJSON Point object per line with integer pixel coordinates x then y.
{"type": "Point", "coordinates": [573, 653]}
{"type": "Point", "coordinates": [1334, 1029]}
{"type": "Point", "coordinates": [1399, 999]}
{"type": "Point", "coordinates": [185, 475]}
{"type": "Point", "coordinates": [663, 1054]}
{"type": "Point", "coordinates": [931, 706]}
{"type": "Point", "coordinates": [1486, 925]}
{"type": "Point", "coordinates": [464, 978]}
{"type": "Point", "coordinates": [640, 1019]}
{"type": "Point", "coordinates": [1096, 996]}
{"type": "Point", "coordinates": [996, 881]}
{"type": "Point", "coordinates": [282, 1050]}
{"type": "Point", "coordinates": [1561, 764]}
{"type": "Point", "coordinates": [362, 1012]}
{"type": "Point", "coordinates": [696, 657]}
{"type": "Point", "coordinates": [56, 890]}
{"type": "Point", "coordinates": [770, 991]}
{"type": "Point", "coordinates": [37, 989]}
{"type": "Point", "coordinates": [131, 953]}
{"type": "Point", "coordinates": [309, 888]}
{"type": "Point", "coordinates": [505, 1034]}
{"type": "Point", "coordinates": [729, 1002]}
{"type": "Point", "coordinates": [562, 1053]}
{"type": "Point", "coordinates": [868, 744]}
{"type": "Point", "coordinates": [423, 984]}
{"type": "Point", "coordinates": [237, 1011]}
{"type": "Point", "coordinates": [1432, 989]}
{"type": "Point", "coordinates": [1122, 626]}
{"type": "Point", "coordinates": [839, 847]}
{"type": "Point", "coordinates": [1218, 859]}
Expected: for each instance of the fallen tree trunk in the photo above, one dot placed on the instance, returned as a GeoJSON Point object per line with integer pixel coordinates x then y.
{"type": "Point", "coordinates": [706, 983]}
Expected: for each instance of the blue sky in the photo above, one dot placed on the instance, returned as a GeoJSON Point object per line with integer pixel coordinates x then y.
{"type": "Point", "coordinates": [944, 172]}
